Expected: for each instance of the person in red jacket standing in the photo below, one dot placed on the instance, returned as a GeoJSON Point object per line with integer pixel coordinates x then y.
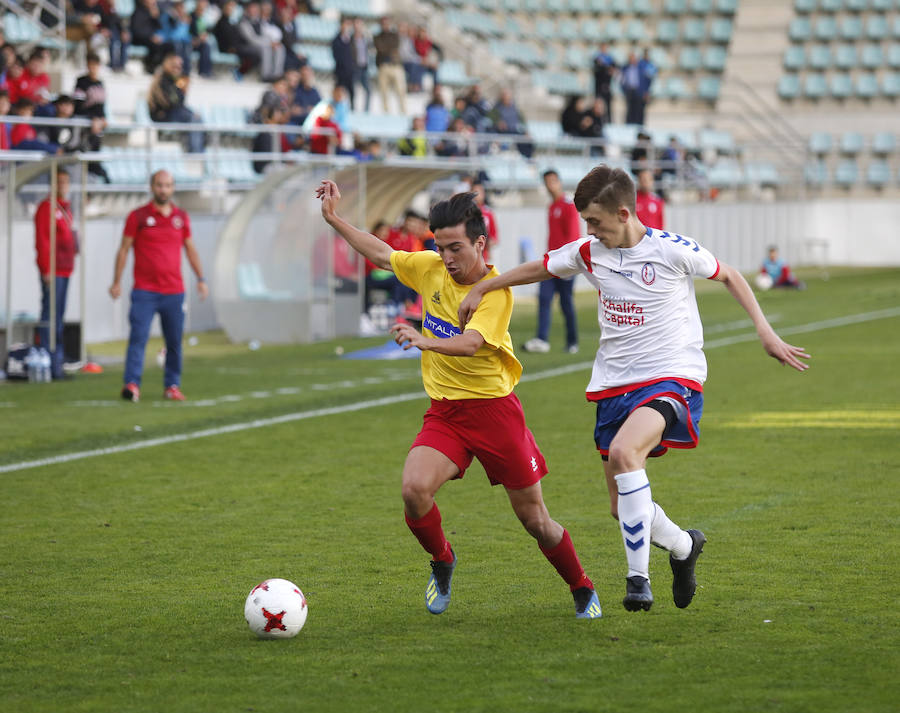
{"type": "Point", "coordinates": [157, 231]}
{"type": "Point", "coordinates": [649, 207]}
{"type": "Point", "coordinates": [66, 248]}
{"type": "Point", "coordinates": [564, 226]}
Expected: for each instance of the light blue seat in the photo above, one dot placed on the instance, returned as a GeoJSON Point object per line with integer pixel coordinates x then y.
{"type": "Point", "coordinates": [855, 5]}
{"type": "Point", "coordinates": [847, 173]}
{"type": "Point", "coordinates": [599, 6]}
{"type": "Point", "coordinates": [852, 143]}
{"type": "Point", "coordinates": [660, 58]}
{"type": "Point", "coordinates": [893, 56]}
{"type": "Point", "coordinates": [789, 86]}
{"type": "Point", "coordinates": [820, 143]}
{"type": "Point", "coordinates": [830, 5]}
{"type": "Point", "coordinates": [576, 58]}
{"type": "Point", "coordinates": [708, 88]}
{"type": "Point", "coordinates": [878, 174]}
{"type": "Point", "coordinates": [689, 59]}
{"type": "Point", "coordinates": [642, 8]}
{"type": "Point", "coordinates": [881, 5]}
{"type": "Point", "coordinates": [622, 135]}
{"type": "Point", "coordinates": [720, 30]}
{"type": "Point", "coordinates": [667, 32]}
{"type": "Point", "coordinates": [826, 28]}
{"type": "Point", "coordinates": [694, 31]}
{"type": "Point", "coordinates": [816, 174]}
{"type": "Point", "coordinates": [319, 57]}
{"type": "Point", "coordinates": [866, 86]}
{"type": "Point", "coordinates": [313, 28]}
{"type": "Point", "coordinates": [819, 57]}
{"type": "Point", "coordinates": [800, 29]}
{"type": "Point", "coordinates": [544, 132]}
{"type": "Point", "coordinates": [840, 85]}
{"type": "Point", "coordinates": [794, 57]}
{"type": "Point", "coordinates": [675, 7]}
{"type": "Point", "coordinates": [124, 8]}
{"type": "Point", "coordinates": [512, 28]}
{"type": "Point", "coordinates": [636, 31]}
{"type": "Point", "coordinates": [726, 7]}
{"type": "Point", "coordinates": [612, 31]}
{"type": "Point", "coordinates": [619, 7]}
{"type": "Point", "coordinates": [895, 27]}
{"type": "Point", "coordinates": [804, 7]}
{"type": "Point", "coordinates": [716, 140]}
{"type": "Point", "coordinates": [890, 84]}
{"type": "Point", "coordinates": [676, 89]}
{"type": "Point", "coordinates": [884, 142]}
{"type": "Point", "coordinates": [851, 28]}
{"type": "Point", "coordinates": [714, 59]}
{"type": "Point", "coordinates": [590, 30]}
{"type": "Point", "coordinates": [554, 6]}
{"type": "Point", "coordinates": [544, 29]}
{"type": "Point", "coordinates": [877, 27]}
{"type": "Point", "coordinates": [577, 5]}
{"type": "Point", "coordinates": [567, 30]}
{"type": "Point", "coordinates": [701, 7]}
{"type": "Point", "coordinates": [814, 86]}
{"type": "Point", "coordinates": [726, 173]}
{"type": "Point", "coordinates": [872, 57]}
{"type": "Point", "coordinates": [845, 57]}
{"type": "Point", "coordinates": [762, 173]}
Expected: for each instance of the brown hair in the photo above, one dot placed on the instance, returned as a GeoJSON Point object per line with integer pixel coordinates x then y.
{"type": "Point", "coordinates": [607, 187]}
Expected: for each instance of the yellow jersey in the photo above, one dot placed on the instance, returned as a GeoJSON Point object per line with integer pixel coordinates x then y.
{"type": "Point", "coordinates": [493, 370]}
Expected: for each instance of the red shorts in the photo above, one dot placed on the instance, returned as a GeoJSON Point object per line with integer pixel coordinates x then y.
{"type": "Point", "coordinates": [491, 430]}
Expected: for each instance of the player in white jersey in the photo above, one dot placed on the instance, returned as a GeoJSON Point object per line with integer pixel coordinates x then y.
{"type": "Point", "coordinates": [649, 371]}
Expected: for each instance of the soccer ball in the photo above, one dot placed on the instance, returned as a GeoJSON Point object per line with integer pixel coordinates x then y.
{"type": "Point", "coordinates": [275, 609]}
{"type": "Point", "coordinates": [763, 281]}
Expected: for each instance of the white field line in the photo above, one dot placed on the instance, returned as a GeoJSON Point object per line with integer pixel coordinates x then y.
{"type": "Point", "coordinates": [398, 398]}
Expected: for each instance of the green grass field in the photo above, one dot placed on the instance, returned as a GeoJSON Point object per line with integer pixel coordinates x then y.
{"type": "Point", "coordinates": [123, 576]}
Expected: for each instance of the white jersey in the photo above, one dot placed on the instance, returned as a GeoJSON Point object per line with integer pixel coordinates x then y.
{"type": "Point", "coordinates": [650, 327]}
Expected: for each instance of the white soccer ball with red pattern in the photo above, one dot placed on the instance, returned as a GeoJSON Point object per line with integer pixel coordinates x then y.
{"type": "Point", "coordinates": [275, 609]}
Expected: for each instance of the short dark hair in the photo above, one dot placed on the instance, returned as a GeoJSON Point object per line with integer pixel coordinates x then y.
{"type": "Point", "coordinates": [456, 210]}
{"type": "Point", "coordinates": [93, 57]}
{"type": "Point", "coordinates": [550, 172]}
{"type": "Point", "coordinates": [607, 187]}
{"type": "Point", "coordinates": [64, 99]}
{"type": "Point", "coordinates": [413, 214]}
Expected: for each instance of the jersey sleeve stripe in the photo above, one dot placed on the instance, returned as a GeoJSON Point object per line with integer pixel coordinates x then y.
{"type": "Point", "coordinates": [713, 276]}
{"type": "Point", "coordinates": [585, 252]}
{"type": "Point", "coordinates": [546, 259]}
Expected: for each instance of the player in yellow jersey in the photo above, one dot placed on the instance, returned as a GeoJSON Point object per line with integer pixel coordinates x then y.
{"type": "Point", "coordinates": [469, 376]}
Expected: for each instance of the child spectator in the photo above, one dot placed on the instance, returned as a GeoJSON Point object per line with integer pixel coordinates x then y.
{"type": "Point", "coordinates": [23, 137]}
{"type": "Point", "coordinates": [90, 94]}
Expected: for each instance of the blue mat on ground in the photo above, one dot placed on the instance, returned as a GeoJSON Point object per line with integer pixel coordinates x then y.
{"type": "Point", "coordinates": [388, 350]}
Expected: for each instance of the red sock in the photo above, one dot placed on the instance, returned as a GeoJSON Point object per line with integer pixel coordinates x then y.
{"type": "Point", "coordinates": [430, 535]}
{"type": "Point", "coordinates": [565, 559]}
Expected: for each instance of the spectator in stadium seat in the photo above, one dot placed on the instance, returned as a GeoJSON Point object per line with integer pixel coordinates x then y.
{"type": "Point", "coordinates": [14, 70]}
{"type": "Point", "coordinates": [91, 140]}
{"type": "Point", "coordinates": [66, 137]}
{"type": "Point", "coordinates": [5, 128]}
{"type": "Point", "coordinates": [457, 144]}
{"type": "Point", "coordinates": [477, 111]}
{"type": "Point", "coordinates": [165, 99]}
{"type": "Point", "coordinates": [430, 54]}
{"type": "Point", "coordinates": [415, 143]}
{"type": "Point", "coordinates": [269, 141]}
{"type": "Point", "coordinates": [230, 40]}
{"type": "Point", "coordinates": [306, 96]}
{"type": "Point", "coordinates": [66, 249]}
{"type": "Point", "coordinates": [175, 27]}
{"type": "Point", "coordinates": [672, 157]}
{"type": "Point", "coordinates": [158, 231]}
{"type": "Point", "coordinates": [362, 45]}
{"type": "Point", "coordinates": [277, 96]}
{"type": "Point", "coordinates": [33, 82]}
{"type": "Point", "coordinates": [636, 79]}
{"type": "Point", "coordinates": [574, 119]}
{"type": "Point", "coordinates": [642, 154]}
{"type": "Point", "coordinates": [90, 94]}
{"type": "Point", "coordinates": [780, 271]}
{"type": "Point", "coordinates": [649, 207]}
{"type": "Point", "coordinates": [409, 58]}
{"type": "Point", "coordinates": [289, 38]}
{"type": "Point", "coordinates": [101, 23]}
{"type": "Point", "coordinates": [437, 117]}
{"type": "Point", "coordinates": [325, 136]}
{"type": "Point", "coordinates": [597, 115]}
{"type": "Point", "coordinates": [604, 71]}
{"type": "Point", "coordinates": [272, 30]}
{"type": "Point", "coordinates": [490, 220]}
{"type": "Point", "coordinates": [23, 137]}
{"type": "Point", "coordinates": [256, 37]}
{"type": "Point", "coordinates": [344, 54]}
{"type": "Point", "coordinates": [146, 31]}
{"type": "Point", "coordinates": [506, 118]}
{"type": "Point", "coordinates": [341, 107]}
{"type": "Point", "coordinates": [200, 32]}
{"type": "Point", "coordinates": [391, 76]}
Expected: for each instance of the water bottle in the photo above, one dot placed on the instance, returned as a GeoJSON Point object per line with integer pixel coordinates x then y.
{"type": "Point", "coordinates": [31, 364]}
{"type": "Point", "coordinates": [46, 366]}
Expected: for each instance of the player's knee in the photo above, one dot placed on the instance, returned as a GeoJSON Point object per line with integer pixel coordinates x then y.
{"type": "Point", "coordinates": [415, 495]}
{"type": "Point", "coordinates": [536, 523]}
{"type": "Point", "coordinates": [624, 457]}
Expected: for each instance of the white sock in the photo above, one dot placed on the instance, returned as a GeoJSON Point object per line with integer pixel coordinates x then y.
{"type": "Point", "coordinates": [666, 534]}
{"type": "Point", "coordinates": [635, 516]}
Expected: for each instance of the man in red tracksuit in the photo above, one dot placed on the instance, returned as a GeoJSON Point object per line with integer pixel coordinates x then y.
{"type": "Point", "coordinates": [649, 207]}
{"type": "Point", "coordinates": [66, 248]}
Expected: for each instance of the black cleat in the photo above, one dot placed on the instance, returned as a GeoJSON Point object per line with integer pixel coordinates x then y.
{"type": "Point", "coordinates": [684, 583]}
{"type": "Point", "coordinates": [587, 606]}
{"type": "Point", "coordinates": [637, 594]}
{"type": "Point", "coordinates": [437, 592]}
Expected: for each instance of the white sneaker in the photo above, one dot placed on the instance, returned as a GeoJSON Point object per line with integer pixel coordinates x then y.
{"type": "Point", "coordinates": [536, 345]}
{"type": "Point", "coordinates": [572, 349]}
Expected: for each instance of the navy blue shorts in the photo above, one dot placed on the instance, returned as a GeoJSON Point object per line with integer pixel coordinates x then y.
{"type": "Point", "coordinates": [684, 433]}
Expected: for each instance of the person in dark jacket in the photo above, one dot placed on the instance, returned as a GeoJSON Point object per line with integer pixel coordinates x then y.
{"type": "Point", "coordinates": [165, 99]}
{"type": "Point", "coordinates": [146, 31]}
{"type": "Point", "coordinates": [342, 49]}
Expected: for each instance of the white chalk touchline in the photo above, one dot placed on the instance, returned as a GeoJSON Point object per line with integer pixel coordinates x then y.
{"type": "Point", "coordinates": [398, 398]}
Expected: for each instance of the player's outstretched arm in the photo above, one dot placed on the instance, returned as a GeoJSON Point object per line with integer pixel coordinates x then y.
{"type": "Point", "coordinates": [523, 274]}
{"type": "Point", "coordinates": [773, 344]}
{"type": "Point", "coordinates": [465, 344]}
{"type": "Point", "coordinates": [366, 244]}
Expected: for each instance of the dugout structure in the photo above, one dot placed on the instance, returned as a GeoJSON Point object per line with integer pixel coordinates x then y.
{"type": "Point", "coordinates": [281, 275]}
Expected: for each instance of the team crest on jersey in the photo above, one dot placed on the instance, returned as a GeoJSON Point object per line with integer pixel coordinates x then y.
{"type": "Point", "coordinates": [648, 274]}
{"type": "Point", "coordinates": [436, 297]}
{"type": "Point", "coordinates": [151, 221]}
{"type": "Point", "coordinates": [177, 222]}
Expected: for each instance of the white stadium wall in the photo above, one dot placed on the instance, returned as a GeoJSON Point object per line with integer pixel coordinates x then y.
{"type": "Point", "coordinates": [856, 233]}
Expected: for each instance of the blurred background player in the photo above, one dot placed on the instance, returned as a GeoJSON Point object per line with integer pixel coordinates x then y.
{"type": "Point", "coordinates": [649, 206]}
{"type": "Point", "coordinates": [157, 231]}
{"type": "Point", "coordinates": [648, 374]}
{"type": "Point", "coordinates": [490, 220]}
{"type": "Point", "coordinates": [563, 226]}
{"type": "Point", "coordinates": [469, 376]}
{"type": "Point", "coordinates": [779, 271]}
{"type": "Point", "coordinates": [66, 249]}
